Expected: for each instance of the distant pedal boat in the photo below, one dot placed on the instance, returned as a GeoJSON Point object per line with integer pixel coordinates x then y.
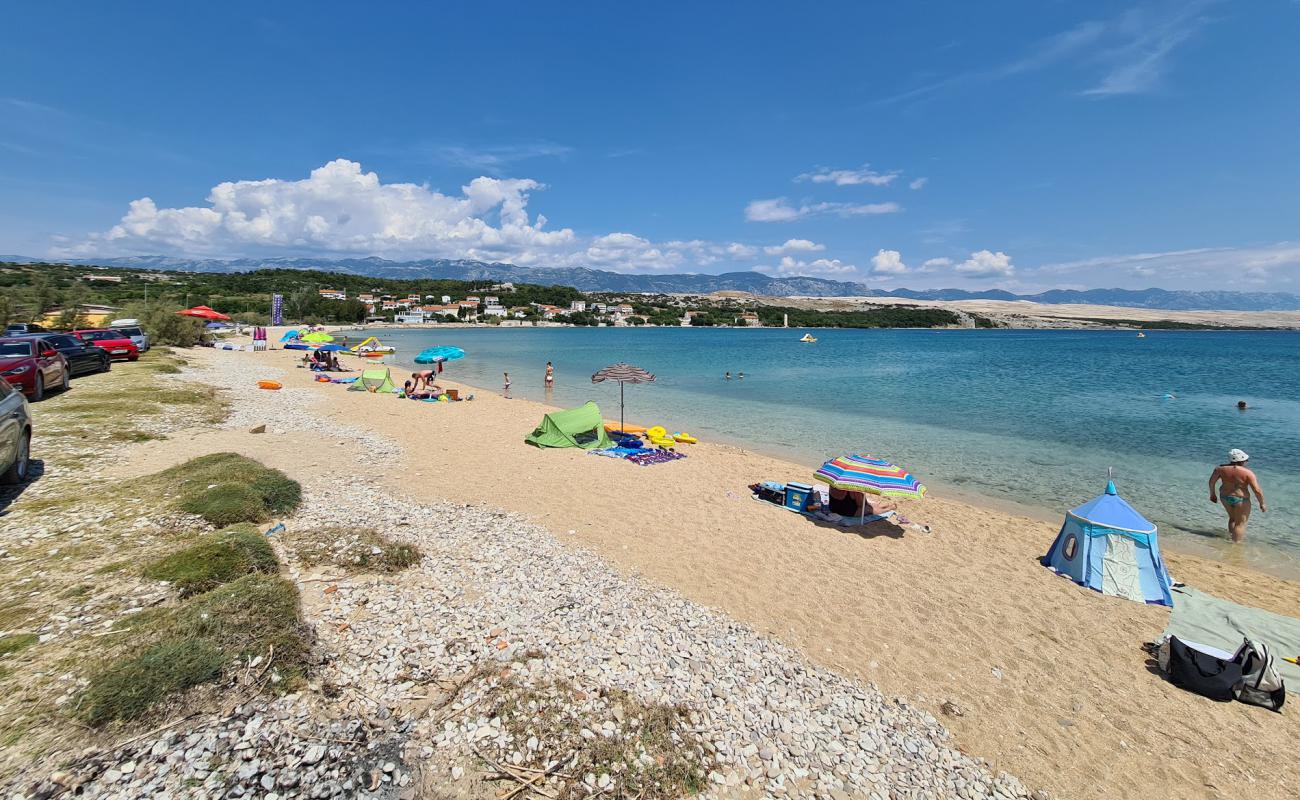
{"type": "Point", "coordinates": [808, 338]}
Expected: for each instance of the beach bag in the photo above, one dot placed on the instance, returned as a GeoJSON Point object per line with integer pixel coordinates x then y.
{"type": "Point", "coordinates": [1260, 684]}
{"type": "Point", "coordinates": [1203, 673]}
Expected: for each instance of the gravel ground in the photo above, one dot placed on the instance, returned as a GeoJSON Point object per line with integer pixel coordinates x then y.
{"type": "Point", "coordinates": [413, 662]}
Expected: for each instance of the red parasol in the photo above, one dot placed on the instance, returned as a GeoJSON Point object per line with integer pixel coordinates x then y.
{"type": "Point", "coordinates": [203, 312]}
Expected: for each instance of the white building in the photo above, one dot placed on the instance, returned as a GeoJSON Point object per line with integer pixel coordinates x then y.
{"type": "Point", "coordinates": [578, 305]}
{"type": "Point", "coordinates": [446, 299]}
{"type": "Point", "coordinates": [411, 317]}
{"type": "Point", "coordinates": [494, 311]}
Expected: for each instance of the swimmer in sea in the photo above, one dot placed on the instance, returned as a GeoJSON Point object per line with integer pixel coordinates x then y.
{"type": "Point", "coordinates": [1241, 405]}
{"type": "Point", "coordinates": [727, 376]}
{"type": "Point", "coordinates": [1232, 483]}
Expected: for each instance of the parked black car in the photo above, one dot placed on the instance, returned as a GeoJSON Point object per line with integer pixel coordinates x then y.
{"type": "Point", "coordinates": [83, 357]}
{"type": "Point", "coordinates": [15, 434]}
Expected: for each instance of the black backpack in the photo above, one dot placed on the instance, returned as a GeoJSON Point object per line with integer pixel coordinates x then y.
{"type": "Point", "coordinates": [1202, 673]}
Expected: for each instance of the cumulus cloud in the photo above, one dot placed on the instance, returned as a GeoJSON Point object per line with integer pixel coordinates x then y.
{"type": "Point", "coordinates": [794, 246]}
{"type": "Point", "coordinates": [789, 266]}
{"type": "Point", "coordinates": [888, 262]}
{"type": "Point", "coordinates": [779, 210]}
{"type": "Point", "coordinates": [935, 264]}
{"type": "Point", "coordinates": [917, 184]}
{"type": "Point", "coordinates": [341, 209]}
{"type": "Point", "coordinates": [987, 264]}
{"type": "Point", "coordinates": [849, 177]}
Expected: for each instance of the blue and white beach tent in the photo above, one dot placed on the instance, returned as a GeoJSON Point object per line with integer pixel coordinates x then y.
{"type": "Point", "coordinates": [1108, 546]}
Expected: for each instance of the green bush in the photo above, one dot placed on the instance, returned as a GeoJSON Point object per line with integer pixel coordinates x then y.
{"type": "Point", "coordinates": [224, 557]}
{"type": "Point", "coordinates": [256, 615]}
{"type": "Point", "coordinates": [129, 688]}
{"type": "Point", "coordinates": [227, 488]}
{"type": "Point", "coordinates": [227, 504]}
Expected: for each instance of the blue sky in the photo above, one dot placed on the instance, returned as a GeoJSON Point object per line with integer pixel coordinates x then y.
{"type": "Point", "coordinates": [1024, 145]}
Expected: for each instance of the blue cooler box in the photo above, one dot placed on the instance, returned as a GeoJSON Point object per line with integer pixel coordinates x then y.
{"type": "Point", "coordinates": [797, 496]}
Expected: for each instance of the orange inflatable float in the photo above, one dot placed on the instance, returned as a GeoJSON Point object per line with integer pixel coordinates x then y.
{"type": "Point", "coordinates": [268, 384]}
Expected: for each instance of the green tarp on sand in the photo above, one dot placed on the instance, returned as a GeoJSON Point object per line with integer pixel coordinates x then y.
{"type": "Point", "coordinates": [377, 380]}
{"type": "Point", "coordinates": [577, 427]}
{"type": "Point", "coordinates": [1206, 619]}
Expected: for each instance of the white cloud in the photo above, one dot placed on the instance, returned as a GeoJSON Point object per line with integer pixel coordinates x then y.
{"type": "Point", "coordinates": [794, 246]}
{"type": "Point", "coordinates": [917, 184]}
{"type": "Point", "coordinates": [780, 210]}
{"type": "Point", "coordinates": [935, 264]}
{"type": "Point", "coordinates": [494, 158]}
{"type": "Point", "coordinates": [987, 264]}
{"type": "Point", "coordinates": [340, 209]}
{"type": "Point", "coordinates": [888, 262]}
{"type": "Point", "coordinates": [1265, 267]}
{"type": "Point", "coordinates": [822, 267]}
{"type": "Point", "coordinates": [849, 177]}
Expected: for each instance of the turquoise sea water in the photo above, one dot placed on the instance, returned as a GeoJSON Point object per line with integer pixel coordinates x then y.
{"type": "Point", "coordinates": [1030, 417]}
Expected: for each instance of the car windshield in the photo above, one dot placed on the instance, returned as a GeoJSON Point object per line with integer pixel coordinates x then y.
{"type": "Point", "coordinates": [130, 331]}
{"type": "Point", "coordinates": [63, 342]}
{"type": "Point", "coordinates": [99, 336]}
{"type": "Point", "coordinates": [15, 349]}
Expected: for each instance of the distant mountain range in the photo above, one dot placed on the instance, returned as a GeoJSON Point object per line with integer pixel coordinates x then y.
{"type": "Point", "coordinates": [595, 280]}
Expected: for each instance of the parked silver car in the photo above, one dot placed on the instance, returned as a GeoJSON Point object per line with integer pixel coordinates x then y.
{"type": "Point", "coordinates": [131, 329]}
{"type": "Point", "coordinates": [15, 434]}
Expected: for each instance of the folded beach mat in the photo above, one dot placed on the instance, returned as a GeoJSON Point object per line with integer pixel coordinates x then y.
{"type": "Point", "coordinates": [1204, 618]}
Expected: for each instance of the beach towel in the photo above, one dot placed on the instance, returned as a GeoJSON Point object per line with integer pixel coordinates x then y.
{"type": "Point", "coordinates": [1204, 618]}
{"type": "Point", "coordinates": [648, 457]}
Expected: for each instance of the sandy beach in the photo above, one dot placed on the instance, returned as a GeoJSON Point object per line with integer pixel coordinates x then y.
{"type": "Point", "coordinates": [1048, 680]}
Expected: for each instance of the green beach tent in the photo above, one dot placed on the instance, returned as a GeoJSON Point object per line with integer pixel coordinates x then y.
{"type": "Point", "coordinates": [376, 379]}
{"type": "Point", "coordinates": [577, 427]}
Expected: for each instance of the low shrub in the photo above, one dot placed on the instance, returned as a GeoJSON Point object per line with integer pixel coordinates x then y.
{"type": "Point", "coordinates": [227, 488]}
{"type": "Point", "coordinates": [352, 549]}
{"type": "Point", "coordinates": [221, 558]}
{"type": "Point", "coordinates": [227, 504]}
{"type": "Point", "coordinates": [198, 642]}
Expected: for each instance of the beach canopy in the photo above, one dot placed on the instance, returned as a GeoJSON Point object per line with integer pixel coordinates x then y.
{"type": "Point", "coordinates": [865, 474]}
{"type": "Point", "coordinates": [623, 373]}
{"type": "Point", "coordinates": [577, 427]}
{"type": "Point", "coordinates": [433, 355]}
{"type": "Point", "coordinates": [330, 348]}
{"type": "Point", "coordinates": [289, 336]}
{"type": "Point", "coordinates": [376, 380]}
{"type": "Point", "coordinates": [1107, 546]}
{"type": "Point", "coordinates": [202, 312]}
{"type": "Point", "coordinates": [317, 337]}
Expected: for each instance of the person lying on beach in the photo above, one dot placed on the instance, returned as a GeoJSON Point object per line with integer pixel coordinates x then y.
{"type": "Point", "coordinates": [1234, 483]}
{"type": "Point", "coordinates": [855, 504]}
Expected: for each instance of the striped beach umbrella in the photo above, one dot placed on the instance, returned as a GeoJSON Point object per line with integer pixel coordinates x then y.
{"type": "Point", "coordinates": [623, 373]}
{"type": "Point", "coordinates": [868, 475]}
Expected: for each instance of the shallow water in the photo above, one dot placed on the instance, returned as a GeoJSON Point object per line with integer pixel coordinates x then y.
{"type": "Point", "coordinates": [1030, 417]}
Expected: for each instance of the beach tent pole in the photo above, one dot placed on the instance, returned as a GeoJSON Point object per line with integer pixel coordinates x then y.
{"type": "Point", "coordinates": [620, 405]}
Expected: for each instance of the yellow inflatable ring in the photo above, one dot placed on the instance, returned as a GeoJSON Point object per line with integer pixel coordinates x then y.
{"type": "Point", "coordinates": [657, 432]}
{"type": "Point", "coordinates": [685, 438]}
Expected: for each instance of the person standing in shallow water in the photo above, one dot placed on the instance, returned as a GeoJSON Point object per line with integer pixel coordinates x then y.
{"type": "Point", "coordinates": [550, 375]}
{"type": "Point", "coordinates": [1233, 483]}
{"type": "Point", "coordinates": [505, 390]}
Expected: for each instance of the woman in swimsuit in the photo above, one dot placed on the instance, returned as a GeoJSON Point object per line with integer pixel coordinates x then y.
{"type": "Point", "coordinates": [550, 375]}
{"type": "Point", "coordinates": [1233, 483]}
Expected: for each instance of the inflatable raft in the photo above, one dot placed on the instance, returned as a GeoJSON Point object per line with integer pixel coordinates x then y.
{"type": "Point", "coordinates": [268, 384]}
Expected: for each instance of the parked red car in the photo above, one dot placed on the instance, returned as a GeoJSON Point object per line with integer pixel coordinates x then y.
{"type": "Point", "coordinates": [32, 366]}
{"type": "Point", "coordinates": [119, 346]}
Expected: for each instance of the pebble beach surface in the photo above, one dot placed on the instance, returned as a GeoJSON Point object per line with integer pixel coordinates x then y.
{"type": "Point", "coordinates": [400, 703]}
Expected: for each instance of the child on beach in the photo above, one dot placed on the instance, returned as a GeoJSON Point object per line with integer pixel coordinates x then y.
{"type": "Point", "coordinates": [506, 391]}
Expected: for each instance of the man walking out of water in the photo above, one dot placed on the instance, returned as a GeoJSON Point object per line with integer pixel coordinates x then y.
{"type": "Point", "coordinates": [1237, 484]}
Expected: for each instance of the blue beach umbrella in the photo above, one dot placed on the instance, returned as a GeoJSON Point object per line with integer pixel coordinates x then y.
{"type": "Point", "coordinates": [433, 355]}
{"type": "Point", "coordinates": [330, 348]}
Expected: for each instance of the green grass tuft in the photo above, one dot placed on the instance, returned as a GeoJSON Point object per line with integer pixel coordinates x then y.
{"type": "Point", "coordinates": [131, 687]}
{"type": "Point", "coordinates": [242, 490]}
{"type": "Point", "coordinates": [351, 549]}
{"type": "Point", "coordinates": [197, 643]}
{"type": "Point", "coordinates": [222, 558]}
{"type": "Point", "coordinates": [227, 504]}
{"type": "Point", "coordinates": [15, 642]}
